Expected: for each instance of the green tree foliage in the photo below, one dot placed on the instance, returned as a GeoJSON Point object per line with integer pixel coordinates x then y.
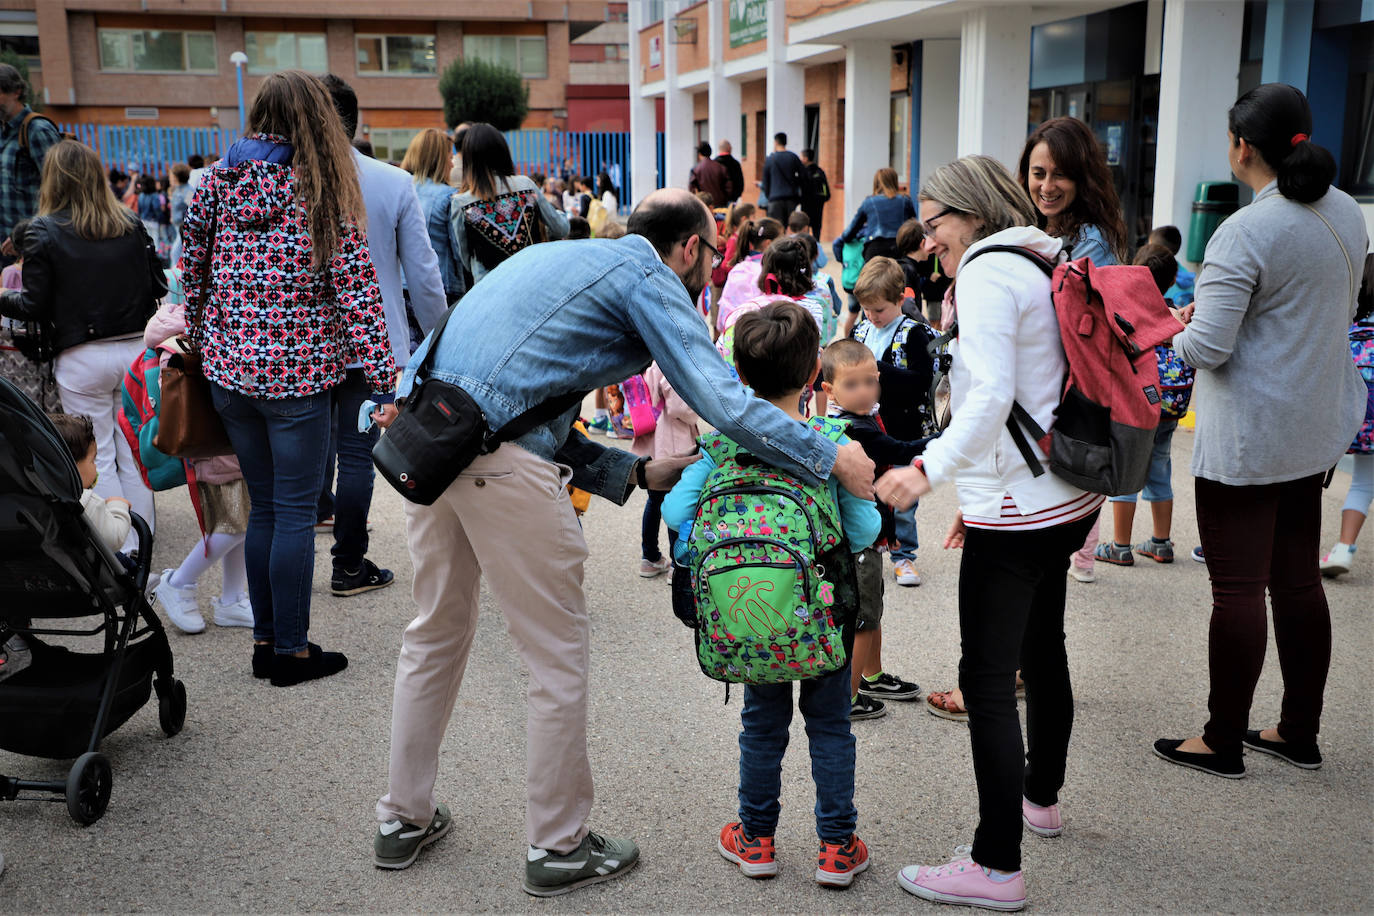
{"type": "Point", "coordinates": [476, 90]}
{"type": "Point", "coordinates": [14, 60]}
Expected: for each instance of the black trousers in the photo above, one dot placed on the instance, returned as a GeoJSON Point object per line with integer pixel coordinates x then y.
{"type": "Point", "coordinates": [781, 208]}
{"type": "Point", "coordinates": [1011, 615]}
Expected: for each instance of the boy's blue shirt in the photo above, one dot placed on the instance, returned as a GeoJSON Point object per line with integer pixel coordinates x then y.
{"type": "Point", "coordinates": [858, 517]}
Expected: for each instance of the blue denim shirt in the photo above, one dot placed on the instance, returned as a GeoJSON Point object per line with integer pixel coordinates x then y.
{"type": "Point", "coordinates": [879, 217]}
{"type": "Point", "coordinates": [434, 202]}
{"type": "Point", "coordinates": [576, 315]}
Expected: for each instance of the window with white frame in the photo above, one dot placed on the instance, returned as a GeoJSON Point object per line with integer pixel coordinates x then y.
{"type": "Point", "coordinates": [269, 52]}
{"type": "Point", "coordinates": [157, 51]}
{"type": "Point", "coordinates": [527, 55]}
{"type": "Point", "coordinates": [400, 54]}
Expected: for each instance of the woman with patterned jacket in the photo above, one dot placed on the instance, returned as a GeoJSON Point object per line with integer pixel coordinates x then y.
{"type": "Point", "coordinates": [281, 296]}
{"type": "Point", "coordinates": [497, 212]}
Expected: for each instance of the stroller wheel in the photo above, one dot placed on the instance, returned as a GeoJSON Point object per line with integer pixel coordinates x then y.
{"type": "Point", "coordinates": [171, 707]}
{"type": "Point", "coordinates": [88, 788]}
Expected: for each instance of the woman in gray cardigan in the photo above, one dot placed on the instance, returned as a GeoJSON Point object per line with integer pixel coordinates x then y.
{"type": "Point", "coordinates": [1278, 401]}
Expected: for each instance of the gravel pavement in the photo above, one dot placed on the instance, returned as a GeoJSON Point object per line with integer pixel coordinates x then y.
{"type": "Point", "coordinates": [264, 802]}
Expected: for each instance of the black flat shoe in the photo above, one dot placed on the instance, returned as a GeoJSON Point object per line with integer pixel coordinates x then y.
{"type": "Point", "coordinates": [1223, 765]}
{"type": "Point", "coordinates": [288, 670]}
{"type": "Point", "coordinates": [262, 659]}
{"type": "Point", "coordinates": [1307, 756]}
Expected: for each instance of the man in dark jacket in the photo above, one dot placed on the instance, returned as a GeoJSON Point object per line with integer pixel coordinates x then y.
{"type": "Point", "coordinates": [815, 190]}
{"type": "Point", "coordinates": [782, 179]}
{"type": "Point", "coordinates": [733, 169]}
{"type": "Point", "coordinates": [710, 176]}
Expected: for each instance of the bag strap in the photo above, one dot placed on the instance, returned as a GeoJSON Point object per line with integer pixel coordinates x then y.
{"type": "Point", "coordinates": [1349, 266]}
{"type": "Point", "coordinates": [24, 130]}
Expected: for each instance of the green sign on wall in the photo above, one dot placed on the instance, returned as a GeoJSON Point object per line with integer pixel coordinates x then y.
{"type": "Point", "coordinates": [748, 21]}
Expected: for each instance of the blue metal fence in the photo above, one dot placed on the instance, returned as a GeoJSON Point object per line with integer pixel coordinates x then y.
{"type": "Point", "coordinates": [549, 152]}
{"type": "Point", "coordinates": [153, 149]}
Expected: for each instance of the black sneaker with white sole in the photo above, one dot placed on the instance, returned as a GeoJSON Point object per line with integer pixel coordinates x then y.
{"type": "Point", "coordinates": [890, 687]}
{"type": "Point", "coordinates": [866, 707]}
{"type": "Point", "coordinates": [367, 578]}
{"type": "Point", "coordinates": [397, 843]}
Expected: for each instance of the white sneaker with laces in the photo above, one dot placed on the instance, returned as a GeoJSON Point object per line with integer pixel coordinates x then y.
{"type": "Point", "coordinates": [1338, 561]}
{"type": "Point", "coordinates": [237, 613]}
{"type": "Point", "coordinates": [1080, 574]}
{"type": "Point", "coordinates": [649, 569]}
{"type": "Point", "coordinates": [905, 573]}
{"type": "Point", "coordinates": [180, 605]}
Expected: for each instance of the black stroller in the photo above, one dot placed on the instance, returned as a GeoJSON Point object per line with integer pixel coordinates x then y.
{"type": "Point", "coordinates": [52, 567]}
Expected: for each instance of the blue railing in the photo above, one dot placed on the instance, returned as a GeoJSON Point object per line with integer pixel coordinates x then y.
{"type": "Point", "coordinates": [549, 152]}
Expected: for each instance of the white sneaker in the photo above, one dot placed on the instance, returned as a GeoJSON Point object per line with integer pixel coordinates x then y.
{"type": "Point", "coordinates": [906, 573]}
{"type": "Point", "coordinates": [1086, 576]}
{"type": "Point", "coordinates": [1338, 561]}
{"type": "Point", "coordinates": [649, 569]}
{"type": "Point", "coordinates": [233, 613]}
{"type": "Point", "coordinates": [180, 605]}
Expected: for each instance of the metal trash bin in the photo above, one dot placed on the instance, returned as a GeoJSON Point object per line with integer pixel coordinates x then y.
{"type": "Point", "coordinates": [1213, 202]}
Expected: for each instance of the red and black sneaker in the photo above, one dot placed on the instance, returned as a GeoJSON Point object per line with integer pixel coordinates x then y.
{"type": "Point", "coordinates": [838, 863]}
{"type": "Point", "coordinates": [753, 855]}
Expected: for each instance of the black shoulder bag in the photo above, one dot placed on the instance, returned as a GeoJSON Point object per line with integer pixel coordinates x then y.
{"type": "Point", "coordinates": [440, 430]}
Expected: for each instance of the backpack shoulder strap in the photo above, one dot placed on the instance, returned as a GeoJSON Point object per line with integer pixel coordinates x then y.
{"type": "Point", "coordinates": [24, 129]}
{"type": "Point", "coordinates": [1046, 266]}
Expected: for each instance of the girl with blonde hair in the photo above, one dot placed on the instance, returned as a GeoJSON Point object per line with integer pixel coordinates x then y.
{"type": "Point", "coordinates": [92, 275]}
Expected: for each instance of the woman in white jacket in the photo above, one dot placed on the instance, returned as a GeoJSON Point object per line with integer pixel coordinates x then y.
{"type": "Point", "coordinates": [1017, 530]}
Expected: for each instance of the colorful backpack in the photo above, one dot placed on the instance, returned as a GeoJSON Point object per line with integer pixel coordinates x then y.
{"type": "Point", "coordinates": [138, 421]}
{"type": "Point", "coordinates": [1175, 383]}
{"type": "Point", "coordinates": [765, 605]}
{"type": "Point", "coordinates": [639, 404]}
{"type": "Point", "coordinates": [1362, 349]}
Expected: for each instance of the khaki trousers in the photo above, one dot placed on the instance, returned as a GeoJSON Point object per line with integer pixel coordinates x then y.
{"type": "Point", "coordinates": [507, 517]}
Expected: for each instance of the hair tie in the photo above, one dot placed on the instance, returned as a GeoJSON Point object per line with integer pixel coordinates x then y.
{"type": "Point", "coordinates": [1298, 138]}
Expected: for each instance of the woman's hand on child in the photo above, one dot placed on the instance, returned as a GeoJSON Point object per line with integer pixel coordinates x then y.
{"type": "Point", "coordinates": [901, 487]}
{"type": "Point", "coordinates": [954, 538]}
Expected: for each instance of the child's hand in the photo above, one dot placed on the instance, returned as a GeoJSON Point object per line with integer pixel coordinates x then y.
{"type": "Point", "coordinates": [954, 538]}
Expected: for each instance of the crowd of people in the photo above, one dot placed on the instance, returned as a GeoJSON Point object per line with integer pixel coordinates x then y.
{"type": "Point", "coordinates": [321, 287]}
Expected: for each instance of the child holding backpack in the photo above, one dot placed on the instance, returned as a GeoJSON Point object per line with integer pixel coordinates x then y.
{"type": "Point", "coordinates": [778, 626]}
{"type": "Point", "coordinates": [1176, 390]}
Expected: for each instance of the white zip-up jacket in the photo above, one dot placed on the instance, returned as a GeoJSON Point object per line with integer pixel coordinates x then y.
{"type": "Point", "coordinates": [1008, 350]}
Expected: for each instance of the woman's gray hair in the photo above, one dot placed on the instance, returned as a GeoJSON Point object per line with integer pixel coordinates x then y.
{"type": "Point", "coordinates": [981, 187]}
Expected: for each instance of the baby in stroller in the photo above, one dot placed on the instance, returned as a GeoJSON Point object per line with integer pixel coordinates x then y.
{"type": "Point", "coordinates": [108, 518]}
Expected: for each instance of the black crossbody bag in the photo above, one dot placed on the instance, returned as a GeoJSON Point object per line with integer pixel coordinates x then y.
{"type": "Point", "coordinates": [440, 431]}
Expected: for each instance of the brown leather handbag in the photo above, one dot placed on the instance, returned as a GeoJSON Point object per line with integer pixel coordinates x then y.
{"type": "Point", "coordinates": [188, 424]}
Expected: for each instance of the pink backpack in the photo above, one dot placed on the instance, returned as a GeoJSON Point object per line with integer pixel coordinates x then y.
{"type": "Point", "coordinates": [639, 404]}
{"type": "Point", "coordinates": [1110, 321]}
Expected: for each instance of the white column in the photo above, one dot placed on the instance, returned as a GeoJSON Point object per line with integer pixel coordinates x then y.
{"type": "Point", "coordinates": [678, 136]}
{"type": "Point", "coordinates": [994, 82]}
{"type": "Point", "coordinates": [867, 118]}
{"type": "Point", "coordinates": [723, 105]}
{"type": "Point", "coordinates": [643, 122]}
{"type": "Point", "coordinates": [1197, 85]}
{"type": "Point", "coordinates": [939, 105]}
{"type": "Point", "coordinates": [785, 92]}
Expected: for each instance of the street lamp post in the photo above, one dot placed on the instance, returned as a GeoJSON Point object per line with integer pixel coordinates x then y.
{"type": "Point", "coordinates": [238, 59]}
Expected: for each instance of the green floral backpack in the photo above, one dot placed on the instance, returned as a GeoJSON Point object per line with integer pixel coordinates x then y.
{"type": "Point", "coordinates": [765, 605]}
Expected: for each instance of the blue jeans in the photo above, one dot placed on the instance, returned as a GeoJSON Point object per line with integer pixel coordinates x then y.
{"type": "Point", "coordinates": [281, 445]}
{"type": "Point", "coordinates": [351, 501]}
{"type": "Point", "coordinates": [767, 713]}
{"type": "Point", "coordinates": [907, 542]}
{"type": "Point", "coordinates": [1158, 485]}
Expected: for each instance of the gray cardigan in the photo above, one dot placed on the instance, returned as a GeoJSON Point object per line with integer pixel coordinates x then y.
{"type": "Point", "coordinates": [1277, 395]}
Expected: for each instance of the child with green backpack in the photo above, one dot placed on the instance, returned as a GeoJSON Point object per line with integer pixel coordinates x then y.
{"type": "Point", "coordinates": [773, 582]}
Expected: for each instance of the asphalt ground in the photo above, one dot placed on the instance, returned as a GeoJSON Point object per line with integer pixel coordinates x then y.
{"type": "Point", "coordinates": [264, 802]}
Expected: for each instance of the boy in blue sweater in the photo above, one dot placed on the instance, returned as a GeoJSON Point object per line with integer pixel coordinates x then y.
{"type": "Point", "coordinates": [775, 353]}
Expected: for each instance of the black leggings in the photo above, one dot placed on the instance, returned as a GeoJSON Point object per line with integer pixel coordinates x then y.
{"type": "Point", "coordinates": [1011, 615]}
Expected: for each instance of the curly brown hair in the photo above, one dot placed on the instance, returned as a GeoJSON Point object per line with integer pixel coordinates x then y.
{"type": "Point", "coordinates": [1076, 152]}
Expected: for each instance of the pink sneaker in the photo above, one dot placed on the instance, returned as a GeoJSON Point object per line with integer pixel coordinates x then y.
{"type": "Point", "coordinates": [964, 883]}
{"type": "Point", "coordinates": [1042, 821]}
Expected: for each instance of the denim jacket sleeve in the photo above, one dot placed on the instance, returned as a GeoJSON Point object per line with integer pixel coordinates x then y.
{"type": "Point", "coordinates": [855, 225]}
{"type": "Point", "coordinates": [601, 470]}
{"type": "Point", "coordinates": [676, 336]}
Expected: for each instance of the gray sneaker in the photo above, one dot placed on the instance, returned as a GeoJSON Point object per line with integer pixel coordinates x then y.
{"type": "Point", "coordinates": [398, 843]}
{"type": "Point", "coordinates": [599, 858]}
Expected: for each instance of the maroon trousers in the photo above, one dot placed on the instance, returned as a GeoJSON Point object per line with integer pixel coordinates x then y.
{"type": "Point", "coordinates": [1258, 538]}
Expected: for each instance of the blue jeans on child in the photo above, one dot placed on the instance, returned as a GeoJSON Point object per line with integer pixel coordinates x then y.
{"type": "Point", "coordinates": [1158, 485]}
{"type": "Point", "coordinates": [767, 714]}
{"type": "Point", "coordinates": [907, 542]}
{"type": "Point", "coordinates": [281, 445]}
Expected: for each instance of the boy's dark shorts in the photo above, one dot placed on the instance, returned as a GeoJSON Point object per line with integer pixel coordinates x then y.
{"type": "Point", "coordinates": [868, 569]}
